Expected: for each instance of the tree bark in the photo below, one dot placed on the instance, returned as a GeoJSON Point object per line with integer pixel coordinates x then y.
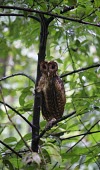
{"type": "Point", "coordinates": [41, 57]}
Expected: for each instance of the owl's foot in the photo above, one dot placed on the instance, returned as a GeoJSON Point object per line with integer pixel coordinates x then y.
{"type": "Point", "coordinates": [49, 124]}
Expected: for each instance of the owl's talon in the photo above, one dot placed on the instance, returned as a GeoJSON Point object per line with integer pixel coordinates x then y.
{"type": "Point", "coordinates": [49, 124]}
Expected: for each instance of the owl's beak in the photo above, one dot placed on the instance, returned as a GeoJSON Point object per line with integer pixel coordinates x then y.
{"type": "Point", "coordinates": [48, 74]}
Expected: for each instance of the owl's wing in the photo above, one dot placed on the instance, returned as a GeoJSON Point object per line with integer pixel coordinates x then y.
{"type": "Point", "coordinates": [59, 89]}
{"type": "Point", "coordinates": [53, 99]}
{"type": "Point", "coordinates": [46, 114]}
{"type": "Point", "coordinates": [59, 95]}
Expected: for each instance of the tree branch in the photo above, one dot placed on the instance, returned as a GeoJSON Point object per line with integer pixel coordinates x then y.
{"type": "Point", "coordinates": [54, 123]}
{"type": "Point", "coordinates": [86, 133]}
{"type": "Point", "coordinates": [83, 136]}
{"type": "Point", "coordinates": [21, 15]}
{"type": "Point", "coordinates": [17, 74]}
{"type": "Point", "coordinates": [41, 56]}
{"type": "Point", "coordinates": [12, 121]}
{"type": "Point", "coordinates": [90, 14]}
{"type": "Point", "coordinates": [20, 152]}
{"type": "Point", "coordinates": [18, 114]}
{"type": "Point", "coordinates": [7, 146]}
{"type": "Point", "coordinates": [49, 14]}
{"type": "Point", "coordinates": [79, 70]}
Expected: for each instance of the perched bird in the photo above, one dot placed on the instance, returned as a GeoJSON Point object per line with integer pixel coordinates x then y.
{"type": "Point", "coordinates": [44, 78]}
{"type": "Point", "coordinates": [52, 90]}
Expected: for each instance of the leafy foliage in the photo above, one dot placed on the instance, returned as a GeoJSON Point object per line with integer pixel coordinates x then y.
{"type": "Point", "coordinates": [73, 42]}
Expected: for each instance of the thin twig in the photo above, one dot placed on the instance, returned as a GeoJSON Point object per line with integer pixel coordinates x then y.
{"type": "Point", "coordinates": [17, 74]}
{"type": "Point", "coordinates": [74, 136]}
{"type": "Point", "coordinates": [90, 14]}
{"type": "Point", "coordinates": [83, 136]}
{"type": "Point", "coordinates": [7, 146]}
{"type": "Point", "coordinates": [21, 15]}
{"type": "Point", "coordinates": [12, 121]}
{"type": "Point", "coordinates": [79, 70]}
{"type": "Point", "coordinates": [18, 114]}
{"type": "Point", "coordinates": [19, 152]}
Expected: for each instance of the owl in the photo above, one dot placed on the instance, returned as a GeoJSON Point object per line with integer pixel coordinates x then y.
{"type": "Point", "coordinates": [52, 90]}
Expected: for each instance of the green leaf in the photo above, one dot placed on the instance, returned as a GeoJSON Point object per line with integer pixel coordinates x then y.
{"type": "Point", "coordinates": [53, 153]}
{"type": "Point", "coordinates": [8, 164]}
{"type": "Point", "coordinates": [72, 2]}
{"type": "Point", "coordinates": [20, 145]}
{"type": "Point", "coordinates": [73, 45]}
{"type": "Point", "coordinates": [25, 92]}
{"type": "Point", "coordinates": [16, 162]}
{"type": "Point", "coordinates": [97, 3]}
{"type": "Point", "coordinates": [98, 14]}
{"type": "Point", "coordinates": [28, 136]}
{"type": "Point", "coordinates": [78, 43]}
{"type": "Point", "coordinates": [10, 140]}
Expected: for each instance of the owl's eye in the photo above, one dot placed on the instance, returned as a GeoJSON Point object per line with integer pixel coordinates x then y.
{"type": "Point", "coordinates": [44, 67]}
{"type": "Point", "coordinates": [53, 66]}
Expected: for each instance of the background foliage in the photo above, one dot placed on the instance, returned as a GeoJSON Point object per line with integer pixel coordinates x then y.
{"type": "Point", "coordinates": [73, 42]}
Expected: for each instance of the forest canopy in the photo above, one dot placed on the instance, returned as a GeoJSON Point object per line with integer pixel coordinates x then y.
{"type": "Point", "coordinates": [67, 32]}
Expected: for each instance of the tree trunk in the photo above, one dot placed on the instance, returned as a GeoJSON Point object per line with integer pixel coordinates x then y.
{"type": "Point", "coordinates": [41, 57]}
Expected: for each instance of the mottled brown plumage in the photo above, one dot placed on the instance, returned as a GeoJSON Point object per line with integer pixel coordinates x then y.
{"type": "Point", "coordinates": [52, 91]}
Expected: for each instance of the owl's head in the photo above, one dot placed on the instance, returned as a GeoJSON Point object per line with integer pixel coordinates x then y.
{"type": "Point", "coordinates": [52, 68]}
{"type": "Point", "coordinates": [44, 67]}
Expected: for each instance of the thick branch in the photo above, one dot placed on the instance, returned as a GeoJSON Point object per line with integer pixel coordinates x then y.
{"type": "Point", "coordinates": [79, 70]}
{"type": "Point", "coordinates": [49, 14]}
{"type": "Point", "coordinates": [17, 74]}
